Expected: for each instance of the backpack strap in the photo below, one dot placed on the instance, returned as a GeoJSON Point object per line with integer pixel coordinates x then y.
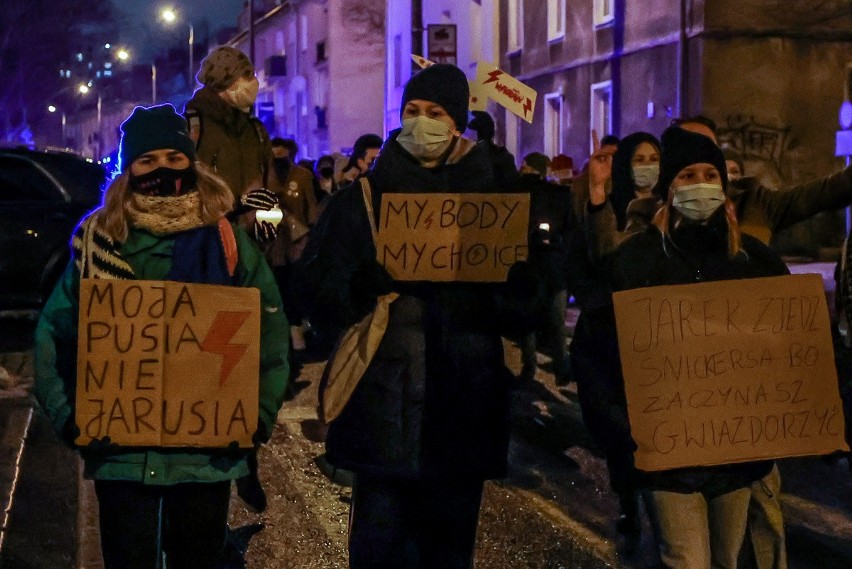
{"type": "Point", "coordinates": [263, 137]}
{"type": "Point", "coordinates": [229, 244]}
{"type": "Point", "coordinates": [367, 194]}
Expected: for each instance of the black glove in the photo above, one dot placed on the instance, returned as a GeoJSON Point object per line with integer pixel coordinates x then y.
{"type": "Point", "coordinates": [264, 232]}
{"type": "Point", "coordinates": [371, 280]}
{"type": "Point", "coordinates": [259, 199]}
{"type": "Point", "coordinates": [102, 446]}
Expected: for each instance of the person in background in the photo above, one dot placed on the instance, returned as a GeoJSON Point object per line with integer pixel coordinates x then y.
{"type": "Point", "coordinates": [294, 188]}
{"type": "Point", "coordinates": [551, 219]}
{"type": "Point", "coordinates": [734, 162]}
{"type": "Point", "coordinates": [505, 171]}
{"type": "Point", "coordinates": [562, 170]}
{"type": "Point", "coordinates": [364, 153]}
{"type": "Point", "coordinates": [290, 149]}
{"type": "Point", "coordinates": [227, 137]}
{"type": "Point", "coordinates": [324, 183]}
{"type": "Point", "coordinates": [429, 421]}
{"type": "Point", "coordinates": [700, 514]}
{"type": "Point", "coordinates": [162, 218]}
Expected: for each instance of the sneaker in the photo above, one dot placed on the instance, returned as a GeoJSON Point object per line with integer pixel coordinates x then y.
{"type": "Point", "coordinates": [297, 336]}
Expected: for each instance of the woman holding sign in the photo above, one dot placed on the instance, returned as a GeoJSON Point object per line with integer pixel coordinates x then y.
{"type": "Point", "coordinates": [429, 419]}
{"type": "Point", "coordinates": [700, 512]}
{"type": "Point", "coordinates": [162, 219]}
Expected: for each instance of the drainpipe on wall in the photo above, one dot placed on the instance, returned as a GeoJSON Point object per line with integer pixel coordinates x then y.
{"type": "Point", "coordinates": [416, 31]}
{"type": "Point", "coordinates": [682, 63]}
{"type": "Point", "coordinates": [251, 30]}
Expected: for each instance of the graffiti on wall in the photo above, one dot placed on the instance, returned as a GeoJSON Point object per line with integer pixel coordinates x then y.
{"type": "Point", "coordinates": [754, 141]}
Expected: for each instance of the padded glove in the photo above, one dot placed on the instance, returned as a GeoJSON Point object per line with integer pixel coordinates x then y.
{"type": "Point", "coordinates": [264, 232]}
{"type": "Point", "coordinates": [259, 199]}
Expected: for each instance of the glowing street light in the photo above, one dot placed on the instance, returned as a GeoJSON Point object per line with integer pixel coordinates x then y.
{"type": "Point", "coordinates": [170, 16]}
{"type": "Point", "coordinates": [51, 108]}
{"type": "Point", "coordinates": [83, 89]}
{"type": "Point", "coordinates": [122, 54]}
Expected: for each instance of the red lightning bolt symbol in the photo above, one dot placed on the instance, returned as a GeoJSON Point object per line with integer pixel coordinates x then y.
{"type": "Point", "coordinates": [224, 326]}
{"type": "Point", "coordinates": [492, 76]}
{"type": "Point", "coordinates": [527, 106]}
{"type": "Point", "coordinates": [428, 221]}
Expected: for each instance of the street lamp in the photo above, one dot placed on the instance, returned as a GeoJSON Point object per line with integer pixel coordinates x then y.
{"type": "Point", "coordinates": [53, 109]}
{"type": "Point", "coordinates": [170, 16]}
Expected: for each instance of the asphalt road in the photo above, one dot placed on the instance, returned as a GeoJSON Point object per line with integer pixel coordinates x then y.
{"type": "Point", "coordinates": [553, 510]}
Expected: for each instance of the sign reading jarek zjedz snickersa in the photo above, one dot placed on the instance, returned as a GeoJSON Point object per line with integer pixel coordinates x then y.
{"type": "Point", "coordinates": [446, 237]}
{"type": "Point", "coordinates": [167, 364]}
{"type": "Point", "coordinates": [729, 371]}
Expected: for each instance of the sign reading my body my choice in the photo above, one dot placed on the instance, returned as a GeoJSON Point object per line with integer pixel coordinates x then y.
{"type": "Point", "coordinates": [452, 237]}
{"type": "Point", "coordinates": [167, 364]}
{"type": "Point", "coordinates": [729, 371]}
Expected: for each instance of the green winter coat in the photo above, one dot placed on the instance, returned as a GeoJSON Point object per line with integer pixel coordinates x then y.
{"type": "Point", "coordinates": [56, 361]}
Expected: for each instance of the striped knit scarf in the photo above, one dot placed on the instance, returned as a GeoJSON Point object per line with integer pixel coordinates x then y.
{"type": "Point", "coordinates": [96, 255]}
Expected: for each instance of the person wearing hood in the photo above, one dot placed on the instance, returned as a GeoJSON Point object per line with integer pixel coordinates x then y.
{"type": "Point", "coordinates": [631, 204]}
{"type": "Point", "coordinates": [228, 138]}
{"type": "Point", "coordinates": [694, 238]}
{"type": "Point", "coordinates": [428, 422]}
{"type": "Point", "coordinates": [162, 219]}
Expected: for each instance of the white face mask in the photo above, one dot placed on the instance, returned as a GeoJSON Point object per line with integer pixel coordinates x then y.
{"type": "Point", "coordinates": [424, 138]}
{"type": "Point", "coordinates": [243, 93]}
{"type": "Point", "coordinates": [646, 176]}
{"type": "Point", "coordinates": [698, 201]}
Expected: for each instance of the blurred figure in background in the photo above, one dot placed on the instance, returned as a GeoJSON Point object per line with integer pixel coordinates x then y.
{"type": "Point", "coordinates": [505, 171]}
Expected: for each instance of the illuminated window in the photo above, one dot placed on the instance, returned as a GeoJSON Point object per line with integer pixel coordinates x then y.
{"type": "Point", "coordinates": [516, 25]}
{"type": "Point", "coordinates": [601, 111]}
{"type": "Point", "coordinates": [397, 60]}
{"type": "Point", "coordinates": [555, 19]}
{"type": "Point", "coordinates": [553, 124]}
{"type": "Point", "coordinates": [603, 12]}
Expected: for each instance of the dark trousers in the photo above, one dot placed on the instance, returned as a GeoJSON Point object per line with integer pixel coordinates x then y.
{"type": "Point", "coordinates": [413, 525]}
{"type": "Point", "coordinates": [139, 523]}
{"type": "Point", "coordinates": [554, 331]}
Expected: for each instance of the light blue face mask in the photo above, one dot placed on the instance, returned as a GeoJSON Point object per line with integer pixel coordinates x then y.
{"type": "Point", "coordinates": [698, 201]}
{"type": "Point", "coordinates": [424, 138]}
{"type": "Point", "coordinates": [646, 176]}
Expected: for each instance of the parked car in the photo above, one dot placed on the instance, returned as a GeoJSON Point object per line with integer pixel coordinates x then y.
{"type": "Point", "coordinates": [43, 195]}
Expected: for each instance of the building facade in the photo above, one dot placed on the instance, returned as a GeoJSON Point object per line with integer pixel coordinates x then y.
{"type": "Point", "coordinates": [320, 64]}
{"type": "Point", "coordinates": [772, 74]}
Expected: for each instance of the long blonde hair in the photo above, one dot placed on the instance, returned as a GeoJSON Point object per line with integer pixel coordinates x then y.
{"type": "Point", "coordinates": [118, 205]}
{"type": "Point", "coordinates": [667, 218]}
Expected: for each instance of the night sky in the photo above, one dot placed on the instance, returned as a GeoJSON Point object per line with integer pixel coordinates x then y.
{"type": "Point", "coordinates": [142, 14]}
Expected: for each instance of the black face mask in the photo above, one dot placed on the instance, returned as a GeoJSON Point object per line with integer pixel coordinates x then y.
{"type": "Point", "coordinates": [164, 182]}
{"type": "Point", "coordinates": [326, 172]}
{"type": "Point", "coordinates": [282, 166]}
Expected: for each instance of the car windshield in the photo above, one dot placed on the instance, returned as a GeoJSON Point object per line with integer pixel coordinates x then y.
{"type": "Point", "coordinates": [83, 180]}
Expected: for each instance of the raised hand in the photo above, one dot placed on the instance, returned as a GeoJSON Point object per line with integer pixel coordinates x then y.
{"type": "Point", "coordinates": [600, 170]}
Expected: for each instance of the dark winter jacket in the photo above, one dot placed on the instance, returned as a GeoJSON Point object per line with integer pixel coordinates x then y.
{"type": "Point", "coordinates": [232, 142]}
{"type": "Point", "coordinates": [551, 204]}
{"type": "Point", "coordinates": [434, 402]}
{"type": "Point", "coordinates": [693, 253]}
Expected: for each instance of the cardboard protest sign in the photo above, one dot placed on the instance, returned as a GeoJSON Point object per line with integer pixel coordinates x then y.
{"type": "Point", "coordinates": [729, 371]}
{"type": "Point", "coordinates": [452, 237]}
{"type": "Point", "coordinates": [506, 90]}
{"type": "Point", "coordinates": [167, 364]}
{"type": "Point", "coordinates": [422, 61]}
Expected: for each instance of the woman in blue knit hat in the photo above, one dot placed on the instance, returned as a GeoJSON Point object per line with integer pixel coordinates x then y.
{"type": "Point", "coordinates": [429, 421]}
{"type": "Point", "coordinates": [162, 218]}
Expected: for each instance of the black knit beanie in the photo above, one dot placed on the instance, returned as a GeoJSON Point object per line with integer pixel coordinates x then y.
{"type": "Point", "coordinates": [443, 84]}
{"type": "Point", "coordinates": [682, 148]}
{"type": "Point", "coordinates": [153, 128]}
{"type": "Point", "coordinates": [483, 124]}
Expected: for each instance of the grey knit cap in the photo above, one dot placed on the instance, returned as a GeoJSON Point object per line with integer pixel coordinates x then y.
{"type": "Point", "coordinates": [223, 66]}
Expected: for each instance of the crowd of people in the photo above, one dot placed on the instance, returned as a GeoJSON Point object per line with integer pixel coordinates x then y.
{"type": "Point", "coordinates": [429, 421]}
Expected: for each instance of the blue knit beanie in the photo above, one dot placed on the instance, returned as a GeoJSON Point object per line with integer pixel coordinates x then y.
{"type": "Point", "coordinates": [153, 128]}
